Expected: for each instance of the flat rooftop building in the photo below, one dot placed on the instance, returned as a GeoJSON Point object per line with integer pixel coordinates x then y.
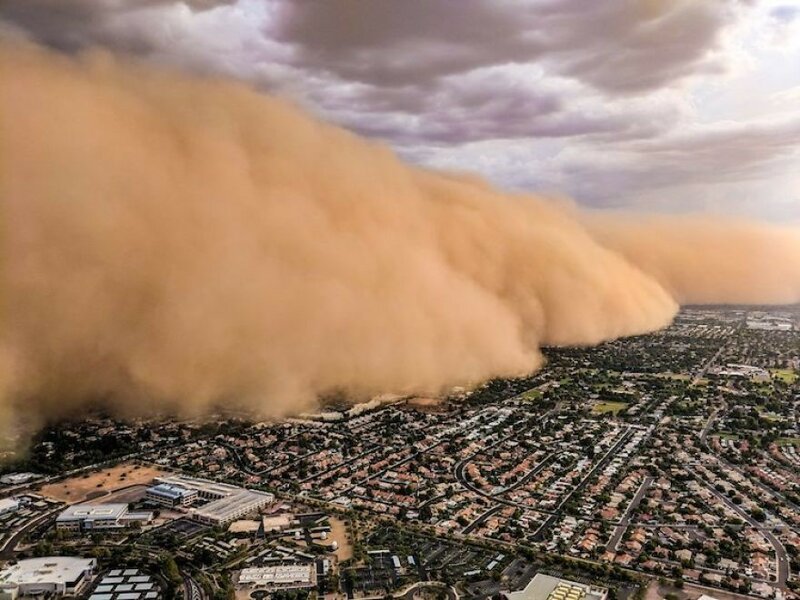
{"type": "Point", "coordinates": [278, 577]}
{"type": "Point", "coordinates": [8, 505]}
{"type": "Point", "coordinates": [226, 502]}
{"type": "Point", "coordinates": [169, 495]}
{"type": "Point", "coordinates": [56, 575]}
{"type": "Point", "coordinates": [100, 517]}
{"type": "Point", "coordinates": [546, 587]}
{"type": "Point", "coordinates": [17, 478]}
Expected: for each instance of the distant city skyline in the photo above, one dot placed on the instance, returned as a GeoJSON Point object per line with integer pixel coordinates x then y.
{"type": "Point", "coordinates": [658, 106]}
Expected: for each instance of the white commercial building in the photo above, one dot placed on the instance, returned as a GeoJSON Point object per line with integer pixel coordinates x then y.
{"type": "Point", "coordinates": [545, 587]}
{"type": "Point", "coordinates": [56, 575]}
{"type": "Point", "coordinates": [226, 502]}
{"type": "Point", "coordinates": [8, 505]}
{"type": "Point", "coordinates": [17, 478]}
{"type": "Point", "coordinates": [100, 517]}
{"type": "Point", "coordinates": [170, 496]}
{"type": "Point", "coordinates": [279, 577]}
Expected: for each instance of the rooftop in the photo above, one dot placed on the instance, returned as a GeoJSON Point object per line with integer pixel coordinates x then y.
{"type": "Point", "coordinates": [279, 574]}
{"type": "Point", "coordinates": [50, 569]}
{"type": "Point", "coordinates": [228, 500]}
{"type": "Point", "coordinates": [171, 491]}
{"type": "Point", "coordinates": [8, 504]}
{"type": "Point", "coordinates": [80, 512]}
{"type": "Point", "coordinates": [546, 587]}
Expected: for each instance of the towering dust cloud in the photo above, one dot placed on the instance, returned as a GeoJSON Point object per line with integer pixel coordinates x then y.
{"type": "Point", "coordinates": [172, 243]}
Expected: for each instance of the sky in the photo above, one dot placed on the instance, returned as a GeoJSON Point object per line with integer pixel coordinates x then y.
{"type": "Point", "coordinates": [644, 105]}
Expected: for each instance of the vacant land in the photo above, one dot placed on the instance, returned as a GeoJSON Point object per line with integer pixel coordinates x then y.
{"type": "Point", "coordinates": [339, 535]}
{"type": "Point", "coordinates": [126, 495]}
{"type": "Point", "coordinates": [94, 485]}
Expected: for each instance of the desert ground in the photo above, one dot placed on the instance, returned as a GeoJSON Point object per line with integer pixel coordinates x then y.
{"type": "Point", "coordinates": [91, 486]}
{"type": "Point", "coordinates": [339, 534]}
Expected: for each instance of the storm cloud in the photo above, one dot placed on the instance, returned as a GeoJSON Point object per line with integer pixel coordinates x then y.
{"type": "Point", "coordinates": [536, 95]}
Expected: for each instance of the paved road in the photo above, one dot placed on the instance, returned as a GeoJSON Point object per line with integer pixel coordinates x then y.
{"type": "Point", "coordinates": [708, 425]}
{"type": "Point", "coordinates": [393, 466]}
{"type": "Point", "coordinates": [458, 470]}
{"type": "Point", "coordinates": [408, 594]}
{"type": "Point", "coordinates": [550, 521]}
{"type": "Point", "coordinates": [244, 466]}
{"type": "Point", "coordinates": [781, 556]}
{"type": "Point", "coordinates": [191, 589]}
{"type": "Point", "coordinates": [626, 435]}
{"type": "Point", "coordinates": [530, 474]}
{"type": "Point", "coordinates": [626, 518]}
{"type": "Point", "coordinates": [7, 549]}
{"type": "Point", "coordinates": [757, 482]}
{"type": "Point", "coordinates": [481, 518]}
{"type": "Point", "coordinates": [338, 466]}
{"type": "Point", "coordinates": [754, 480]}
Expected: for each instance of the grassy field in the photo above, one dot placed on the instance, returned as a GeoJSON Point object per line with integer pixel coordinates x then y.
{"type": "Point", "coordinates": [769, 416]}
{"type": "Point", "coordinates": [531, 395]}
{"type": "Point", "coordinates": [676, 376]}
{"type": "Point", "coordinates": [785, 375]}
{"type": "Point", "coordinates": [608, 407]}
{"type": "Point", "coordinates": [788, 441]}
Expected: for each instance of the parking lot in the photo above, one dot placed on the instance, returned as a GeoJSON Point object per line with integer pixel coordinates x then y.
{"type": "Point", "coordinates": [442, 560]}
{"type": "Point", "coordinates": [174, 533]}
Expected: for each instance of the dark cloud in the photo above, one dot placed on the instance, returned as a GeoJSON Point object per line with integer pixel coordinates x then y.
{"type": "Point", "coordinates": [74, 24]}
{"type": "Point", "coordinates": [613, 45]}
{"type": "Point", "coordinates": [628, 47]}
{"type": "Point", "coordinates": [732, 153]}
{"type": "Point", "coordinates": [575, 95]}
{"type": "Point", "coordinates": [384, 42]}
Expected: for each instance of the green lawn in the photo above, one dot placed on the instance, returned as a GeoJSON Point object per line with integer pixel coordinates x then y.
{"type": "Point", "coordinates": [531, 395]}
{"type": "Point", "coordinates": [769, 416]}
{"type": "Point", "coordinates": [676, 376]}
{"type": "Point", "coordinates": [790, 441]}
{"type": "Point", "coordinates": [785, 375]}
{"type": "Point", "coordinates": [608, 407]}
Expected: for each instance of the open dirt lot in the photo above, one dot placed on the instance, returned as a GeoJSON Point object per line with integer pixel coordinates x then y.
{"type": "Point", "coordinates": [96, 485]}
{"type": "Point", "coordinates": [339, 534]}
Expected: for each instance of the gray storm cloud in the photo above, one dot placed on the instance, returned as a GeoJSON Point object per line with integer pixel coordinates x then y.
{"type": "Point", "coordinates": [173, 243]}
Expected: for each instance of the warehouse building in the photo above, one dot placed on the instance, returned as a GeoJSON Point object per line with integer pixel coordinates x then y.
{"type": "Point", "coordinates": [52, 575]}
{"type": "Point", "coordinates": [81, 518]}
